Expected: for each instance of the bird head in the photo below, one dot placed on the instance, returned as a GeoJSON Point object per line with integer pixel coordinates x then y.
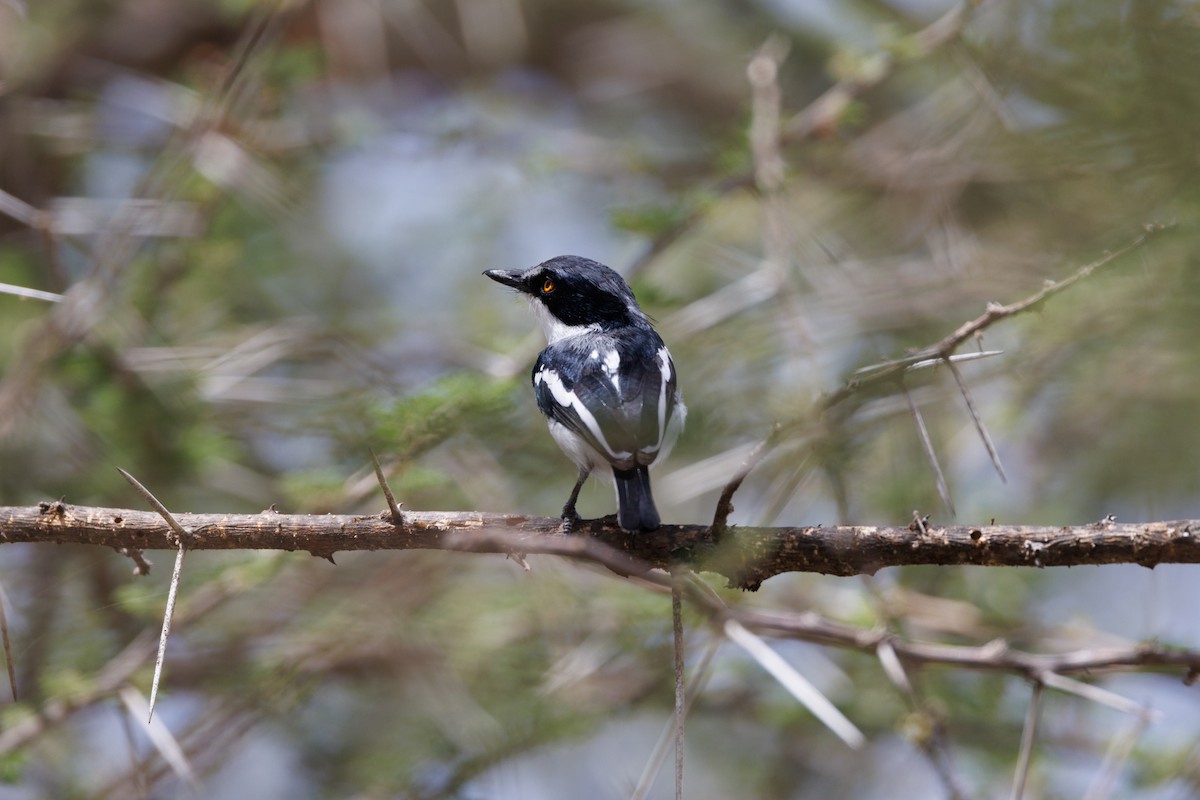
{"type": "Point", "coordinates": [572, 294]}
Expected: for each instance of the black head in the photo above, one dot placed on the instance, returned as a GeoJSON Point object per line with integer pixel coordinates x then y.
{"type": "Point", "coordinates": [575, 291]}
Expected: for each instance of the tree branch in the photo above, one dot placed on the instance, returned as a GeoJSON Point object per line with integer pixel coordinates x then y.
{"type": "Point", "coordinates": [821, 116]}
{"type": "Point", "coordinates": [943, 351]}
{"type": "Point", "coordinates": [745, 556]}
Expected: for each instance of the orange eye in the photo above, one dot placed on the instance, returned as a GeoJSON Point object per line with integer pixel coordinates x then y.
{"type": "Point", "coordinates": [547, 286]}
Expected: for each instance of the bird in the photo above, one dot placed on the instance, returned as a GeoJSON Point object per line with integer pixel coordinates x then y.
{"type": "Point", "coordinates": [605, 382]}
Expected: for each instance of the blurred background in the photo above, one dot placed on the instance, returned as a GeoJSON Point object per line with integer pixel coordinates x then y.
{"type": "Point", "coordinates": [248, 240]}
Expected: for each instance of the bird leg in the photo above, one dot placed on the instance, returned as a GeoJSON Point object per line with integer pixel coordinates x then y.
{"type": "Point", "coordinates": [569, 517]}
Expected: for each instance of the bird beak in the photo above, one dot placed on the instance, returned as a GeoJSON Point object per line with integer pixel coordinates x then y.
{"type": "Point", "coordinates": [509, 277]}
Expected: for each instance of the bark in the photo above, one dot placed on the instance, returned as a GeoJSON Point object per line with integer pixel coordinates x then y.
{"type": "Point", "coordinates": [745, 556]}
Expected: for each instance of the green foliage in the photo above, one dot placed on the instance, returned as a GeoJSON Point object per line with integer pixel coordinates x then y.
{"type": "Point", "coordinates": [163, 429]}
{"type": "Point", "coordinates": [453, 405]}
{"type": "Point", "coordinates": [12, 765]}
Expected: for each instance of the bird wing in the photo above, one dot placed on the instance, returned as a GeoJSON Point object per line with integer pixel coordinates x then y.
{"type": "Point", "coordinates": [607, 391]}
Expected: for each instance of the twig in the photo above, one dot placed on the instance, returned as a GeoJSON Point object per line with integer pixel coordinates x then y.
{"type": "Point", "coordinates": [820, 115]}
{"type": "Point", "coordinates": [1028, 736]}
{"type": "Point", "coordinates": [909, 364]}
{"type": "Point", "coordinates": [766, 99]}
{"type": "Point", "coordinates": [16, 208]}
{"type": "Point", "coordinates": [944, 349]}
{"type": "Point", "coordinates": [996, 312]}
{"type": "Point", "coordinates": [825, 112]}
{"type": "Point", "coordinates": [32, 294]}
{"type": "Point", "coordinates": [182, 536]}
{"type": "Point", "coordinates": [1096, 694]}
{"type": "Point", "coordinates": [89, 299]}
{"type": "Point", "coordinates": [994, 656]}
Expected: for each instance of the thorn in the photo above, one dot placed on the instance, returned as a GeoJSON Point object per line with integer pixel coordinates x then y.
{"type": "Point", "coordinates": [181, 536]}
{"type": "Point", "coordinates": [979, 426]}
{"type": "Point", "coordinates": [172, 593]}
{"type": "Point", "coordinates": [796, 684]}
{"type": "Point", "coordinates": [930, 454]}
{"type": "Point", "coordinates": [680, 685]}
{"type": "Point", "coordinates": [725, 501]}
{"type": "Point", "coordinates": [325, 554]}
{"type": "Point", "coordinates": [154, 502]}
{"type": "Point", "coordinates": [141, 564]}
{"type": "Point", "coordinates": [8, 651]}
{"type": "Point", "coordinates": [397, 516]}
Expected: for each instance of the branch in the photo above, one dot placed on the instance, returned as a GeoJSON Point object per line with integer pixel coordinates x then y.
{"type": "Point", "coordinates": [943, 351]}
{"type": "Point", "coordinates": [86, 303]}
{"type": "Point", "coordinates": [821, 116]}
{"type": "Point", "coordinates": [745, 556]}
{"type": "Point", "coordinates": [824, 113]}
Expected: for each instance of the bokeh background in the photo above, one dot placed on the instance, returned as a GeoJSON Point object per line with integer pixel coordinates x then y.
{"type": "Point", "coordinates": [319, 185]}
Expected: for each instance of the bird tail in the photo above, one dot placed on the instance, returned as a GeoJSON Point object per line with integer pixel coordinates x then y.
{"type": "Point", "coordinates": [635, 503]}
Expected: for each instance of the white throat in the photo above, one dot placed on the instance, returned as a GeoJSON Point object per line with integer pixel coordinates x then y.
{"type": "Point", "coordinates": [555, 329]}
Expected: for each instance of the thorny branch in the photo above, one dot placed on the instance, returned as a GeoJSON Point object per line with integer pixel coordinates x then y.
{"type": "Point", "coordinates": [745, 555]}
{"type": "Point", "coordinates": [821, 115]}
{"type": "Point", "coordinates": [482, 533]}
{"type": "Point", "coordinates": [944, 350]}
{"type": "Point", "coordinates": [82, 305]}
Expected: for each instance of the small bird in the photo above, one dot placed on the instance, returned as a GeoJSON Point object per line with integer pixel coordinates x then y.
{"type": "Point", "coordinates": [605, 382]}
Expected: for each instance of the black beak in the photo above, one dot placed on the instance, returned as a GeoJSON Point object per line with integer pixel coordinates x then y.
{"type": "Point", "coordinates": [509, 277]}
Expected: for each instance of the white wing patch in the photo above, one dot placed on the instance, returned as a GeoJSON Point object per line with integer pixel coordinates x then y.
{"type": "Point", "coordinates": [611, 368]}
{"type": "Point", "coordinates": [568, 399]}
{"type": "Point", "coordinates": [664, 367]}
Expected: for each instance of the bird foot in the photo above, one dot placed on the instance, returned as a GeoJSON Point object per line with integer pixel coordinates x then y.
{"type": "Point", "coordinates": [569, 520]}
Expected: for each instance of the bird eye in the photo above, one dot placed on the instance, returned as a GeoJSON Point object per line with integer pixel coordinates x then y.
{"type": "Point", "coordinates": [547, 286]}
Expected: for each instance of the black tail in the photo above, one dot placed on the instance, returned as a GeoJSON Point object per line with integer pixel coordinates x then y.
{"type": "Point", "coordinates": [635, 503]}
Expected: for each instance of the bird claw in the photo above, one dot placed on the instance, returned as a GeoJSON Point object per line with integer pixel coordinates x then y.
{"type": "Point", "coordinates": [569, 520]}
